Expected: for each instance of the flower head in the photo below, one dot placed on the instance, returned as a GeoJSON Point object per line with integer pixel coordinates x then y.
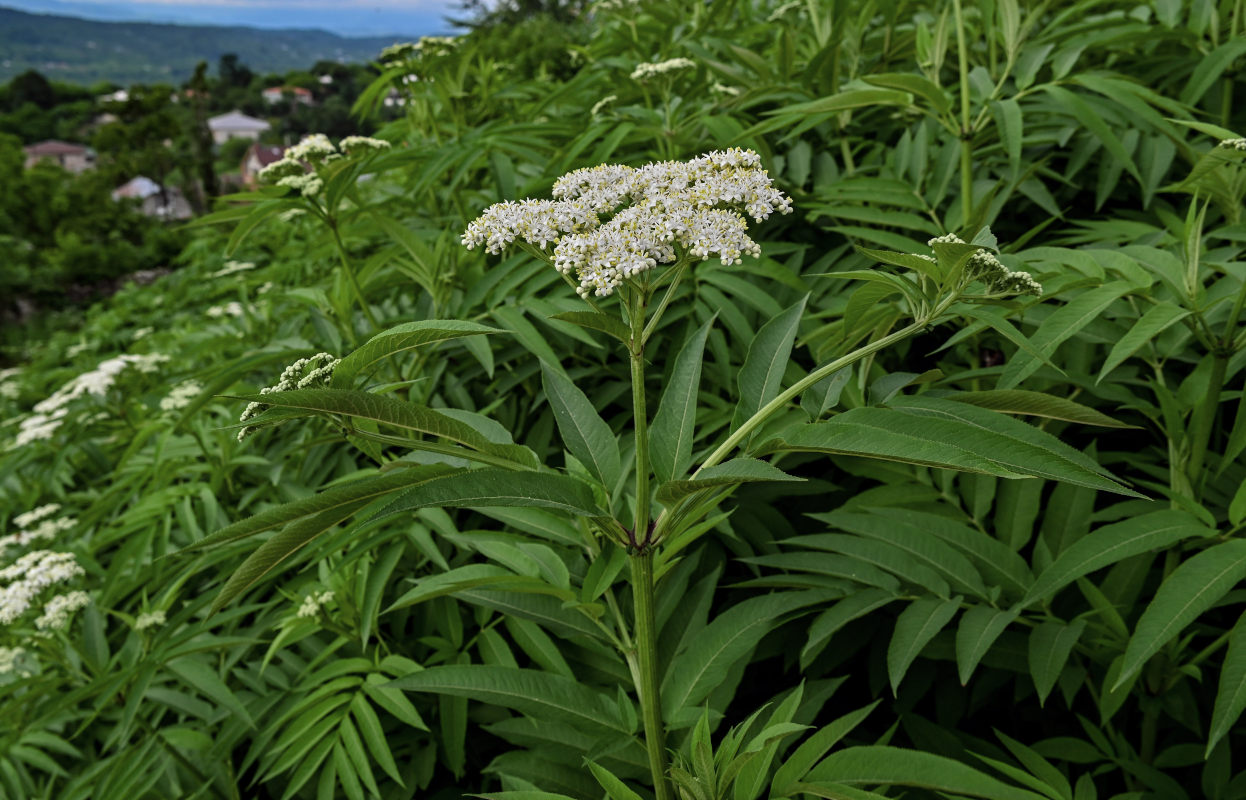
{"type": "Point", "coordinates": [30, 575]}
{"type": "Point", "coordinates": [149, 619]}
{"type": "Point", "coordinates": [659, 212]}
{"type": "Point", "coordinates": [313, 602]}
{"type": "Point", "coordinates": [302, 374]}
{"type": "Point", "coordinates": [646, 71]}
{"type": "Point", "coordinates": [56, 612]}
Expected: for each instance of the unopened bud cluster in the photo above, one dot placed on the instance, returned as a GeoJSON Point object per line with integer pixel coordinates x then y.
{"type": "Point", "coordinates": [647, 71]}
{"type": "Point", "coordinates": [985, 267]}
{"type": "Point", "coordinates": [297, 167]}
{"type": "Point", "coordinates": [660, 212]}
{"type": "Point", "coordinates": [1233, 144]}
{"type": "Point", "coordinates": [302, 374]}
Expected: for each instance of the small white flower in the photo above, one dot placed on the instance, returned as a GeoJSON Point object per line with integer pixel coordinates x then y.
{"type": "Point", "coordinates": [30, 575]}
{"type": "Point", "coordinates": [733, 91]}
{"type": "Point", "coordinates": [314, 148]}
{"type": "Point", "coordinates": [150, 619]}
{"type": "Point", "coordinates": [141, 333]}
{"type": "Point", "coordinates": [1233, 144]}
{"type": "Point", "coordinates": [56, 612]}
{"type": "Point", "coordinates": [232, 267]}
{"type": "Point", "coordinates": [230, 309]}
{"type": "Point", "coordinates": [645, 71]}
{"type": "Point", "coordinates": [363, 144]}
{"type": "Point", "coordinates": [313, 602]}
{"type": "Point", "coordinates": [602, 103]}
{"type": "Point", "coordinates": [10, 659]}
{"type": "Point", "coordinates": [309, 185]}
{"type": "Point", "coordinates": [181, 396]}
{"type": "Point", "coordinates": [24, 521]}
{"type": "Point", "coordinates": [947, 238]}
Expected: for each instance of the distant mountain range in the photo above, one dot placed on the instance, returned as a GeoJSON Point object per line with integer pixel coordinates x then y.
{"type": "Point", "coordinates": [84, 51]}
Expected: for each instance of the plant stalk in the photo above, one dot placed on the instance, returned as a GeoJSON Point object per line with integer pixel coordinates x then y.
{"type": "Point", "coordinates": [646, 651]}
{"type": "Point", "coordinates": [966, 124]}
{"type": "Point", "coordinates": [354, 282]}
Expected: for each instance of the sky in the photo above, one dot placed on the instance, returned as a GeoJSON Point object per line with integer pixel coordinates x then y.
{"type": "Point", "coordinates": [344, 17]}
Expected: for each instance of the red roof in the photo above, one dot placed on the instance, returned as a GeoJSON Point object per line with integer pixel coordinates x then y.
{"type": "Point", "coordinates": [283, 89]}
{"type": "Point", "coordinates": [52, 147]}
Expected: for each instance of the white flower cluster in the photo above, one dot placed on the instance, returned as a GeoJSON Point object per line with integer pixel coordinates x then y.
{"type": "Point", "coordinates": [396, 54]}
{"type": "Point", "coordinates": [231, 309]}
{"type": "Point", "coordinates": [315, 148]}
{"type": "Point", "coordinates": [602, 103]}
{"type": "Point", "coordinates": [181, 396]}
{"type": "Point", "coordinates": [296, 376]}
{"type": "Point", "coordinates": [1233, 144]}
{"type": "Point", "coordinates": [362, 145]}
{"type": "Point", "coordinates": [10, 661]}
{"type": "Point", "coordinates": [30, 575]}
{"type": "Point", "coordinates": [645, 71]}
{"type": "Point", "coordinates": [668, 207]}
{"type": "Point", "coordinates": [56, 612]}
{"type": "Point", "coordinates": [722, 88]}
{"type": "Point", "coordinates": [50, 412]}
{"type": "Point", "coordinates": [984, 266]}
{"type": "Point", "coordinates": [232, 267]}
{"type": "Point", "coordinates": [313, 602]}
{"type": "Point", "coordinates": [24, 521]}
{"type": "Point", "coordinates": [149, 619]}
{"type": "Point", "coordinates": [9, 390]}
{"type": "Point", "coordinates": [45, 530]}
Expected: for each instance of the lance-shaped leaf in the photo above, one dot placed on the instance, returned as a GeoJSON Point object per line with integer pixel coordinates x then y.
{"type": "Point", "coordinates": [487, 488]}
{"type": "Point", "coordinates": [400, 339]}
{"type": "Point", "coordinates": [1037, 404]}
{"type": "Point", "coordinates": [366, 489]}
{"type": "Point", "coordinates": [1191, 589]}
{"type": "Point", "coordinates": [597, 321]}
{"type": "Point", "coordinates": [1113, 543]}
{"type": "Point", "coordinates": [394, 413]}
{"type": "Point", "coordinates": [895, 766]}
{"type": "Point", "coordinates": [542, 695]}
{"type": "Point", "coordinates": [915, 627]}
{"type": "Point", "coordinates": [670, 436]}
{"type": "Point", "coordinates": [761, 377]}
{"type": "Point", "coordinates": [1050, 646]}
{"type": "Point", "coordinates": [728, 473]}
{"type": "Point", "coordinates": [950, 435]}
{"type": "Point", "coordinates": [1231, 694]}
{"type": "Point", "coordinates": [979, 627]}
{"type": "Point", "coordinates": [585, 433]}
{"type": "Point", "coordinates": [1155, 321]}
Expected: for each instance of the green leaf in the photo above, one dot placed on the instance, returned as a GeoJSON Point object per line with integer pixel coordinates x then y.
{"type": "Point", "coordinates": [761, 377]}
{"type": "Point", "coordinates": [733, 634]}
{"type": "Point", "coordinates": [390, 411]}
{"type": "Point", "coordinates": [374, 736]}
{"type": "Point", "coordinates": [1083, 113]}
{"type": "Point", "coordinates": [400, 339]}
{"type": "Point", "coordinates": [894, 766]}
{"type": "Point", "coordinates": [1113, 543]}
{"type": "Point", "coordinates": [1155, 321]}
{"type": "Point", "coordinates": [979, 627]}
{"type": "Point", "coordinates": [206, 681]}
{"type": "Point", "coordinates": [471, 576]}
{"type": "Point", "coordinates": [366, 489]}
{"type": "Point", "coordinates": [1008, 121]}
{"type": "Point", "coordinates": [824, 626]}
{"type": "Point", "coordinates": [728, 473]}
{"type": "Point", "coordinates": [597, 321]}
{"type": "Point", "coordinates": [1063, 323]}
{"type": "Point", "coordinates": [585, 433]}
{"type": "Point", "coordinates": [915, 627]}
{"type": "Point", "coordinates": [1191, 589]}
{"type": "Point", "coordinates": [914, 84]}
{"type": "Point", "coordinates": [950, 435]}
{"type": "Point", "coordinates": [1036, 404]}
{"type": "Point", "coordinates": [615, 788]}
{"type": "Point", "coordinates": [1209, 68]}
{"type": "Point", "coordinates": [854, 98]}
{"type": "Point", "coordinates": [1000, 324]}
{"type": "Point", "coordinates": [674, 425]}
{"type": "Point", "coordinates": [488, 488]}
{"type": "Point", "coordinates": [802, 760]}
{"type": "Point", "coordinates": [540, 694]}
{"type": "Point", "coordinates": [1231, 694]}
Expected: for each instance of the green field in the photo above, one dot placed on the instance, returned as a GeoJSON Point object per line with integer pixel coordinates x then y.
{"type": "Point", "coordinates": [703, 400]}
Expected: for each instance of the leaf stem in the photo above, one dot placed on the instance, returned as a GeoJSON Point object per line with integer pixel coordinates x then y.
{"type": "Point", "coordinates": [966, 124]}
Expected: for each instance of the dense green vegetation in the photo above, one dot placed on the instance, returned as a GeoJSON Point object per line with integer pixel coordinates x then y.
{"type": "Point", "coordinates": [87, 52]}
{"type": "Point", "coordinates": [905, 527]}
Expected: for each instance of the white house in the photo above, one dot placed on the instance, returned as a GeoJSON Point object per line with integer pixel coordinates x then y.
{"type": "Point", "coordinates": [236, 125]}
{"type": "Point", "coordinates": [297, 94]}
{"type": "Point", "coordinates": [168, 203]}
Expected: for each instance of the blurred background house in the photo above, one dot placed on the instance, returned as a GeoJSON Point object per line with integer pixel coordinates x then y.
{"type": "Point", "coordinates": [162, 202]}
{"type": "Point", "coordinates": [236, 125]}
{"type": "Point", "coordinates": [295, 94]}
{"type": "Point", "coordinates": [256, 158]}
{"type": "Point", "coordinates": [73, 158]}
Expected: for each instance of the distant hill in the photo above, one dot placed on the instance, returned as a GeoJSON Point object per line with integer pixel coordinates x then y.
{"type": "Point", "coordinates": [85, 51]}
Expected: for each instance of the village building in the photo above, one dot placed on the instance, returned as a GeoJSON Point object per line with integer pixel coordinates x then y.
{"type": "Point", "coordinates": [296, 94]}
{"type": "Point", "coordinates": [154, 201]}
{"type": "Point", "coordinates": [236, 125]}
{"type": "Point", "coordinates": [256, 158]}
{"type": "Point", "coordinates": [74, 158]}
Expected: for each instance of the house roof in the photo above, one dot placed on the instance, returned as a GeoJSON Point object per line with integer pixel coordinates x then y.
{"type": "Point", "coordinates": [299, 90]}
{"type": "Point", "coordinates": [139, 187]}
{"type": "Point", "coordinates": [266, 154]}
{"type": "Point", "coordinates": [237, 121]}
{"type": "Point", "coordinates": [53, 147]}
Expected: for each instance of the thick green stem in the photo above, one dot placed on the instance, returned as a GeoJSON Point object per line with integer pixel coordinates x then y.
{"type": "Point", "coordinates": [966, 124]}
{"type": "Point", "coordinates": [646, 652]}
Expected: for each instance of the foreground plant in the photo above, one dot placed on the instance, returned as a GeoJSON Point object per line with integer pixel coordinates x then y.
{"type": "Point", "coordinates": [626, 239]}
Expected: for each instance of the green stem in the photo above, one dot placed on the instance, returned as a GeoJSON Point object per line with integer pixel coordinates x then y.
{"type": "Point", "coordinates": [641, 421]}
{"type": "Point", "coordinates": [354, 282]}
{"type": "Point", "coordinates": [768, 410]}
{"type": "Point", "coordinates": [647, 689]}
{"type": "Point", "coordinates": [966, 129]}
